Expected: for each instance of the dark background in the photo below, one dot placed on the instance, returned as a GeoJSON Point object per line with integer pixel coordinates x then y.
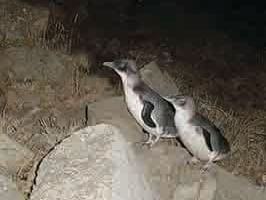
{"type": "Point", "coordinates": [242, 20]}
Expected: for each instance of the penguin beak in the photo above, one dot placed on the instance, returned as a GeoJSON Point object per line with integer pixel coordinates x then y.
{"type": "Point", "coordinates": [109, 64]}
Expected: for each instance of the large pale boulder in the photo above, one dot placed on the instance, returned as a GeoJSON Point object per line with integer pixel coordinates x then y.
{"type": "Point", "coordinates": [14, 162]}
{"type": "Point", "coordinates": [8, 189]}
{"type": "Point", "coordinates": [12, 155]}
{"type": "Point", "coordinates": [159, 80]}
{"type": "Point", "coordinates": [95, 163]}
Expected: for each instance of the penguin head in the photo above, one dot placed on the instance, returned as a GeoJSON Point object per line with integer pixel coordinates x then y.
{"type": "Point", "coordinates": [123, 67]}
{"type": "Point", "coordinates": [184, 105]}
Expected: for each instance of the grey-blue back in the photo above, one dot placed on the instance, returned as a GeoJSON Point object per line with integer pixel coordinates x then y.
{"type": "Point", "coordinates": [164, 111]}
{"type": "Point", "coordinates": [217, 140]}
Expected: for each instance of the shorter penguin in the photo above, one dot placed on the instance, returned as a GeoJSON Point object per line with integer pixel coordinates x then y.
{"type": "Point", "coordinates": [202, 138]}
{"type": "Point", "coordinates": [152, 112]}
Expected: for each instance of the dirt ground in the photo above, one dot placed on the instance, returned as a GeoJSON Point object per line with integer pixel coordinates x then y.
{"type": "Point", "coordinates": [43, 89]}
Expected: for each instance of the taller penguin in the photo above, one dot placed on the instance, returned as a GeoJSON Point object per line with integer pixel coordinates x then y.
{"type": "Point", "coordinates": [152, 112]}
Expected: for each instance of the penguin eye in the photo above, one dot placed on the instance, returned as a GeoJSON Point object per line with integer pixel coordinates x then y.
{"type": "Point", "coordinates": [181, 102]}
{"type": "Point", "coordinates": [120, 65]}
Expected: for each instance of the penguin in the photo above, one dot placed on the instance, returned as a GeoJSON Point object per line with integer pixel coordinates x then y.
{"type": "Point", "coordinates": [201, 137]}
{"type": "Point", "coordinates": [151, 111]}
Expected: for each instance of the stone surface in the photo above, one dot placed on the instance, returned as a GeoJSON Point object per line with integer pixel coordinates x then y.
{"type": "Point", "coordinates": [163, 167]}
{"type": "Point", "coordinates": [166, 166]}
{"type": "Point", "coordinates": [94, 163]}
{"type": "Point", "coordinates": [15, 160]}
{"type": "Point", "coordinates": [8, 190]}
{"type": "Point", "coordinates": [33, 64]}
{"type": "Point", "coordinates": [12, 155]}
{"type": "Point", "coordinates": [158, 80]}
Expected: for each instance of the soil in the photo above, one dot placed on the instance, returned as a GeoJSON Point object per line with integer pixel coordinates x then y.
{"type": "Point", "coordinates": [45, 82]}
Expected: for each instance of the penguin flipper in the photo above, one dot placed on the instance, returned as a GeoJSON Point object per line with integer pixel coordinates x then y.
{"type": "Point", "coordinates": [207, 137]}
{"type": "Point", "coordinates": [212, 135]}
{"type": "Point", "coordinates": [146, 114]}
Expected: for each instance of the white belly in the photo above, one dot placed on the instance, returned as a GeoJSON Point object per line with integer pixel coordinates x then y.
{"type": "Point", "coordinates": [135, 106]}
{"type": "Point", "coordinates": [194, 142]}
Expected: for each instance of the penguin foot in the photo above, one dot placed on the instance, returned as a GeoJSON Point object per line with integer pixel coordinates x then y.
{"type": "Point", "coordinates": [146, 142]}
{"type": "Point", "coordinates": [153, 142]}
{"type": "Point", "coordinates": [206, 167]}
{"type": "Point", "coordinates": [203, 170]}
{"type": "Point", "coordinates": [150, 141]}
{"type": "Point", "coordinates": [209, 164]}
{"type": "Point", "coordinates": [142, 143]}
{"type": "Point", "coordinates": [193, 161]}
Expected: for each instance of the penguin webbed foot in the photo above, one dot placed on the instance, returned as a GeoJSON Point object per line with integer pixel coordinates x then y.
{"type": "Point", "coordinates": [150, 142]}
{"type": "Point", "coordinates": [153, 142]}
{"type": "Point", "coordinates": [145, 142]}
{"type": "Point", "coordinates": [210, 163]}
{"type": "Point", "coordinates": [193, 161]}
{"type": "Point", "coordinates": [206, 167]}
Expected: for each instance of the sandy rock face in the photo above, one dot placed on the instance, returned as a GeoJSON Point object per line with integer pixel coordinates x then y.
{"type": "Point", "coordinates": [8, 190]}
{"type": "Point", "coordinates": [12, 155]}
{"type": "Point", "coordinates": [39, 64]}
{"type": "Point", "coordinates": [158, 80]}
{"type": "Point", "coordinates": [14, 159]}
{"type": "Point", "coordinates": [94, 163]}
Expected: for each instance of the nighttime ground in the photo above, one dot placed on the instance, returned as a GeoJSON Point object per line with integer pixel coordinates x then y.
{"type": "Point", "coordinates": [51, 56]}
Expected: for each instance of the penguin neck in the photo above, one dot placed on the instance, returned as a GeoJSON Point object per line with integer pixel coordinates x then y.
{"type": "Point", "coordinates": [131, 81]}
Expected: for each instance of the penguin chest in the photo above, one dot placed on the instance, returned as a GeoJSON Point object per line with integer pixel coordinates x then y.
{"type": "Point", "coordinates": [135, 107]}
{"type": "Point", "coordinates": [195, 142]}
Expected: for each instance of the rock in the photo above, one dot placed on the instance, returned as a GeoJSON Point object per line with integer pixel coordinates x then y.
{"type": "Point", "coordinates": [159, 81]}
{"type": "Point", "coordinates": [12, 155]}
{"type": "Point", "coordinates": [94, 163]}
{"type": "Point", "coordinates": [8, 190]}
{"type": "Point", "coordinates": [163, 167]}
{"type": "Point", "coordinates": [191, 185]}
{"type": "Point", "coordinates": [232, 187]}
{"type": "Point", "coordinates": [41, 64]}
{"type": "Point", "coordinates": [170, 176]}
